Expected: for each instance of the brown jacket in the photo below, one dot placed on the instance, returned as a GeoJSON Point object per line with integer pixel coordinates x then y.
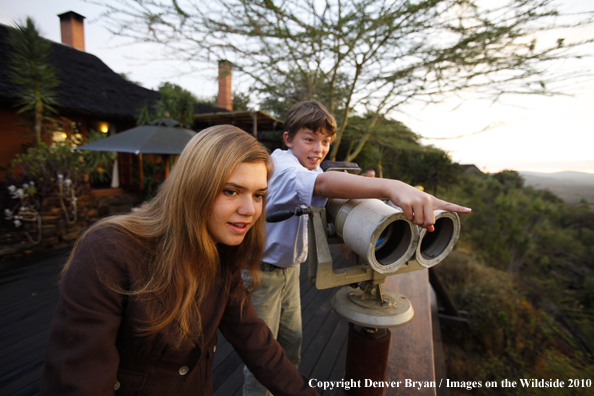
{"type": "Point", "coordinates": [94, 348]}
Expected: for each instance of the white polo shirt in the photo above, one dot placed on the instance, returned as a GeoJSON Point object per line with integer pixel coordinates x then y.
{"type": "Point", "coordinates": [290, 186]}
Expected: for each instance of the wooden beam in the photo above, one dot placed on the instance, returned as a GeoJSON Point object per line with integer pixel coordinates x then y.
{"type": "Point", "coordinates": [255, 123]}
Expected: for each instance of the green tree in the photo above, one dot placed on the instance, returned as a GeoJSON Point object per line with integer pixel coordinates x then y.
{"type": "Point", "coordinates": [390, 143]}
{"type": "Point", "coordinates": [433, 168]}
{"type": "Point", "coordinates": [509, 179]}
{"type": "Point", "coordinates": [180, 104]}
{"type": "Point", "coordinates": [31, 69]}
{"type": "Point", "coordinates": [296, 87]}
{"type": "Point", "coordinates": [241, 101]}
{"type": "Point", "coordinates": [509, 222]}
{"type": "Point", "coordinates": [389, 52]}
{"type": "Point", "coordinates": [175, 101]}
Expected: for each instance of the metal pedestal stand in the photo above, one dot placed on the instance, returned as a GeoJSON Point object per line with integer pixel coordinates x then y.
{"type": "Point", "coordinates": [370, 311]}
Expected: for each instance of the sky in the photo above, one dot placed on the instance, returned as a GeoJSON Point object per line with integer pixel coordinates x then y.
{"type": "Point", "coordinates": [524, 133]}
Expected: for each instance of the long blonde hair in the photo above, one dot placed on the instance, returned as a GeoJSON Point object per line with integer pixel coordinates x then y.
{"type": "Point", "coordinates": [172, 228]}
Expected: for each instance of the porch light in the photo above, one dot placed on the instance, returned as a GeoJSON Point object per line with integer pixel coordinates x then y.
{"type": "Point", "coordinates": [59, 137]}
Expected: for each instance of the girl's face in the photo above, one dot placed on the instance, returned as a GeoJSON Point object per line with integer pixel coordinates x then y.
{"type": "Point", "coordinates": [239, 205]}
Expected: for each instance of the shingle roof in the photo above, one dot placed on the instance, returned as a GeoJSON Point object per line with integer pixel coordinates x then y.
{"type": "Point", "coordinates": [87, 85]}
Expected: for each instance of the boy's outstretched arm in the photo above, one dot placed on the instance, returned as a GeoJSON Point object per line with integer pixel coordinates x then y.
{"type": "Point", "coordinates": [417, 206]}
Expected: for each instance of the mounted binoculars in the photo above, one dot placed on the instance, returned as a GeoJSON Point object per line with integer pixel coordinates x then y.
{"type": "Point", "coordinates": [387, 243]}
{"type": "Point", "coordinates": [380, 234]}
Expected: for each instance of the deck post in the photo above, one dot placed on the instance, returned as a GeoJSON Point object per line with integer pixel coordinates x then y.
{"type": "Point", "coordinates": [366, 360]}
{"type": "Point", "coordinates": [140, 175]}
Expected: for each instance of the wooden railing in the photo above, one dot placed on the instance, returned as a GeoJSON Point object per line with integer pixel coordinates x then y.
{"type": "Point", "coordinates": [416, 356]}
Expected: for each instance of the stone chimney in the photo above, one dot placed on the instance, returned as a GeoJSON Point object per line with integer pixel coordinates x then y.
{"type": "Point", "coordinates": [225, 98]}
{"type": "Point", "coordinates": [73, 29]}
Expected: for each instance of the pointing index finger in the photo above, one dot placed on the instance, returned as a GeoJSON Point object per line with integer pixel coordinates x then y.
{"type": "Point", "coordinates": [450, 207]}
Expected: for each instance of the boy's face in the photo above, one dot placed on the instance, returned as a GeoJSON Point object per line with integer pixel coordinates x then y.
{"type": "Point", "coordinates": [309, 147]}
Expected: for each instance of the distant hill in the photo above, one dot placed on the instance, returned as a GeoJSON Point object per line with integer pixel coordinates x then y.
{"type": "Point", "coordinates": [569, 186]}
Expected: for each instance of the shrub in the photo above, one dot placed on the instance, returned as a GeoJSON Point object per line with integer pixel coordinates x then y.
{"type": "Point", "coordinates": [43, 171]}
{"type": "Point", "coordinates": [510, 338]}
{"type": "Point", "coordinates": [44, 164]}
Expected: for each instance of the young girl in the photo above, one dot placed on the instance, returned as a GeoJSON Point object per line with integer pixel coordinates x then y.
{"type": "Point", "coordinates": [143, 294]}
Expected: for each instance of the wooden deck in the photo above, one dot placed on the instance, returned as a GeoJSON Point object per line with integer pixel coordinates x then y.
{"type": "Point", "coordinates": [324, 341]}
{"type": "Point", "coordinates": [29, 294]}
{"type": "Point", "coordinates": [28, 297]}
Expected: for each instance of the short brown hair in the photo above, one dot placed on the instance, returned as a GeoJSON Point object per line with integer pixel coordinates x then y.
{"type": "Point", "coordinates": [311, 115]}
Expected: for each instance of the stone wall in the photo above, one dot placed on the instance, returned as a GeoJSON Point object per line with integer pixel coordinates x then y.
{"type": "Point", "coordinates": [56, 232]}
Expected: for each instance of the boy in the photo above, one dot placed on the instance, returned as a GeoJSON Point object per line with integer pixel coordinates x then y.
{"type": "Point", "coordinates": [298, 181]}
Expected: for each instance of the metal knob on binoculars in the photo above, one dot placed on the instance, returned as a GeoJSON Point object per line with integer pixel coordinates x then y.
{"type": "Point", "coordinates": [283, 215]}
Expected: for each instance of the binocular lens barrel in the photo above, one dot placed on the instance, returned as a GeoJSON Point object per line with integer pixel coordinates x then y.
{"type": "Point", "coordinates": [435, 246]}
{"type": "Point", "coordinates": [375, 231]}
